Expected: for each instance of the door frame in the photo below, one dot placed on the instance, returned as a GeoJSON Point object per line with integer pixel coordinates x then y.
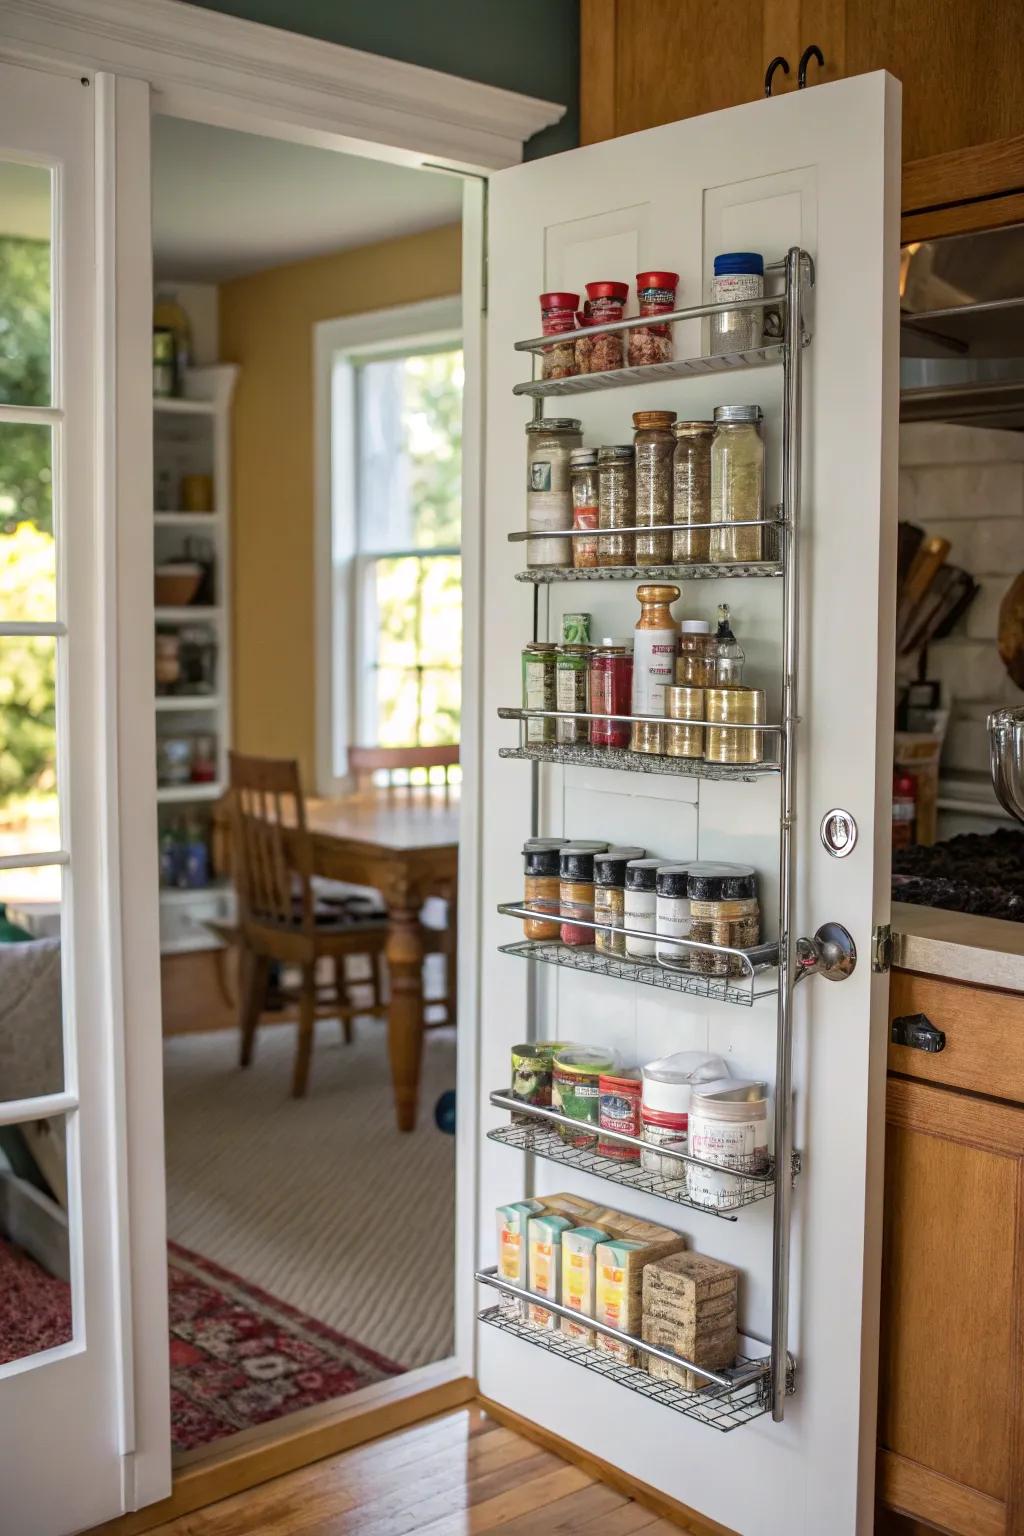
{"type": "Point", "coordinates": [182, 61]}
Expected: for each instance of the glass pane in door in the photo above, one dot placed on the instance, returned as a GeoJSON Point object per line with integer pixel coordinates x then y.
{"type": "Point", "coordinates": [25, 284]}
{"type": "Point", "coordinates": [28, 566]}
{"type": "Point", "coordinates": [29, 820]}
{"type": "Point", "coordinates": [35, 1280]}
{"type": "Point", "coordinates": [31, 1010]}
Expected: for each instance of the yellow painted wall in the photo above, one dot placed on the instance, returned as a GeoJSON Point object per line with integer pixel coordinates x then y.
{"type": "Point", "coordinates": [266, 326]}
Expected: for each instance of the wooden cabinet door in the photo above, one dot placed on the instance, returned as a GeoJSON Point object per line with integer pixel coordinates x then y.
{"type": "Point", "coordinates": [951, 1379]}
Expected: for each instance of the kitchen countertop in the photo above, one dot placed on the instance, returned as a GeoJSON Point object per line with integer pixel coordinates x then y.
{"type": "Point", "coordinates": [985, 951]}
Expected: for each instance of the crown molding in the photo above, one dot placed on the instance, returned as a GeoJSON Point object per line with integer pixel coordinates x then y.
{"type": "Point", "coordinates": [221, 69]}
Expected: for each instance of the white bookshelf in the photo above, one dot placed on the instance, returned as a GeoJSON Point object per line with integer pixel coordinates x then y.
{"type": "Point", "coordinates": [193, 435]}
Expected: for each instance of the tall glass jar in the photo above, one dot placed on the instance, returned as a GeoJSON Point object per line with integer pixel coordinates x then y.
{"type": "Point", "coordinates": [691, 490]}
{"type": "Point", "coordinates": [737, 484]}
{"type": "Point", "coordinates": [611, 691]}
{"type": "Point", "coordinates": [738, 275]}
{"type": "Point", "coordinates": [583, 473]}
{"type": "Point", "coordinates": [695, 663]}
{"type": "Point", "coordinates": [616, 502]}
{"type": "Point", "coordinates": [548, 492]}
{"type": "Point", "coordinates": [653, 444]}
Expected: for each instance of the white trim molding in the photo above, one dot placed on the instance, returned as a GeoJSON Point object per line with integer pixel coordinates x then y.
{"type": "Point", "coordinates": [224, 70]}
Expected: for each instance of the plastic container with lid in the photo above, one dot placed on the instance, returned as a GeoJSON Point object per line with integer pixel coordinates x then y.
{"type": "Point", "coordinates": [607, 301]}
{"type": "Point", "coordinates": [558, 316]}
{"type": "Point", "coordinates": [610, 897]}
{"type": "Point", "coordinates": [616, 499]}
{"type": "Point", "coordinates": [641, 905]}
{"type": "Point", "coordinates": [541, 885]}
{"type": "Point", "coordinates": [549, 445]}
{"type": "Point", "coordinates": [653, 443]}
{"type": "Point", "coordinates": [738, 275]}
{"type": "Point", "coordinates": [665, 1105]}
{"type": "Point", "coordinates": [576, 889]}
{"type": "Point", "coordinates": [737, 485]}
{"type": "Point", "coordinates": [695, 666]}
{"type": "Point", "coordinates": [728, 1124]}
{"type": "Point", "coordinates": [656, 295]}
{"type": "Point", "coordinates": [724, 910]}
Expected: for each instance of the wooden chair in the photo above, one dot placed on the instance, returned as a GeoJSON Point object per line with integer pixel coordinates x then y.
{"type": "Point", "coordinates": [395, 769]}
{"type": "Point", "coordinates": [279, 917]}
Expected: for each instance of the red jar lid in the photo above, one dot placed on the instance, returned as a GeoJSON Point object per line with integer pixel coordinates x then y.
{"type": "Point", "coordinates": [664, 1119]}
{"type": "Point", "coordinates": [657, 279]}
{"type": "Point", "coordinates": [618, 291]}
{"type": "Point", "coordinates": [559, 301]}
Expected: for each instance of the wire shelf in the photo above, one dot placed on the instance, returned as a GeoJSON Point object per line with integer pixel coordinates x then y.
{"type": "Point", "coordinates": [545, 1141]}
{"type": "Point", "coordinates": [583, 755]}
{"type": "Point", "coordinates": [542, 575]}
{"type": "Point", "coordinates": [721, 1408]}
{"type": "Point", "coordinates": [650, 373]}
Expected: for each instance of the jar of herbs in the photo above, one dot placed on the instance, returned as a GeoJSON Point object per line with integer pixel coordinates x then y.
{"type": "Point", "coordinates": [656, 295]}
{"type": "Point", "coordinates": [549, 444]}
{"type": "Point", "coordinates": [610, 898]}
{"type": "Point", "coordinates": [611, 691]}
{"type": "Point", "coordinates": [557, 318]}
{"type": "Point", "coordinates": [541, 885]}
{"type": "Point", "coordinates": [691, 490]}
{"type": "Point", "coordinates": [576, 890]}
{"type": "Point", "coordinates": [737, 484]}
{"type": "Point", "coordinates": [653, 445]}
{"type": "Point", "coordinates": [539, 659]}
{"type": "Point", "coordinates": [583, 475]}
{"type": "Point", "coordinates": [695, 664]}
{"type": "Point", "coordinates": [571, 668]}
{"type": "Point", "coordinates": [724, 910]}
{"type": "Point", "coordinates": [606, 302]}
{"type": "Point", "coordinates": [616, 501]}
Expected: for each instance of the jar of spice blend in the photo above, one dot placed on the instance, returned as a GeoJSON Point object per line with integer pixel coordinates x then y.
{"type": "Point", "coordinates": [738, 275]}
{"type": "Point", "coordinates": [641, 905]}
{"type": "Point", "coordinates": [606, 301]}
{"type": "Point", "coordinates": [583, 477]}
{"type": "Point", "coordinates": [653, 445]}
{"type": "Point", "coordinates": [656, 294]}
{"type": "Point", "coordinates": [576, 890]}
{"type": "Point", "coordinates": [724, 910]}
{"type": "Point", "coordinates": [610, 898]}
{"type": "Point", "coordinates": [672, 916]}
{"type": "Point", "coordinates": [691, 490]}
{"type": "Point", "coordinates": [539, 658]}
{"type": "Point", "coordinates": [549, 444]}
{"type": "Point", "coordinates": [616, 500]}
{"type": "Point", "coordinates": [611, 691]}
{"type": "Point", "coordinates": [558, 316]}
{"type": "Point", "coordinates": [541, 886]}
{"type": "Point", "coordinates": [571, 668]}
{"type": "Point", "coordinates": [737, 484]}
{"type": "Point", "coordinates": [695, 663]}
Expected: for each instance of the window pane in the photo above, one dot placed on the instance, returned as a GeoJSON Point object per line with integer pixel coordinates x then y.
{"type": "Point", "coordinates": [441, 611]}
{"type": "Point", "coordinates": [35, 1290]}
{"type": "Point", "coordinates": [410, 452]}
{"type": "Point", "coordinates": [28, 572]}
{"type": "Point", "coordinates": [28, 746]}
{"type": "Point", "coordinates": [31, 1017]}
{"type": "Point", "coordinates": [441, 702]}
{"type": "Point", "coordinates": [394, 610]}
{"type": "Point", "coordinates": [397, 707]}
{"type": "Point", "coordinates": [24, 284]}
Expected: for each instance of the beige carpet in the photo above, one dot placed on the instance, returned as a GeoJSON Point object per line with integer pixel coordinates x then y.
{"type": "Point", "coordinates": [319, 1201]}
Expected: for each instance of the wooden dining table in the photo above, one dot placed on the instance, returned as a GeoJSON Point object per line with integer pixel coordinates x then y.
{"type": "Point", "coordinates": [405, 844]}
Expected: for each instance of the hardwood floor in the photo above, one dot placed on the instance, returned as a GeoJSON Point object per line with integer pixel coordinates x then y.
{"type": "Point", "coordinates": [461, 1474]}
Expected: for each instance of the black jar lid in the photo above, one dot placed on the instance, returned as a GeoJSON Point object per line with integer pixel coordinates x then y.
{"type": "Point", "coordinates": [610, 867]}
{"type": "Point", "coordinates": [673, 879]}
{"type": "Point", "coordinates": [577, 863]}
{"type": "Point", "coordinates": [540, 861]}
{"type": "Point", "coordinates": [721, 882]}
{"type": "Point", "coordinates": [642, 874]}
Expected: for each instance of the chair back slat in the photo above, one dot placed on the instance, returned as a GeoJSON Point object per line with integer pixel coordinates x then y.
{"type": "Point", "coordinates": [392, 767]}
{"type": "Point", "coordinates": [273, 854]}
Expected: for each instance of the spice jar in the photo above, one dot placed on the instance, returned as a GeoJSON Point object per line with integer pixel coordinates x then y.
{"type": "Point", "coordinates": [641, 905]}
{"type": "Point", "coordinates": [539, 658]}
{"type": "Point", "coordinates": [724, 910]}
{"type": "Point", "coordinates": [583, 477]}
{"type": "Point", "coordinates": [729, 656]}
{"type": "Point", "coordinates": [672, 916]}
{"type": "Point", "coordinates": [583, 346]}
{"type": "Point", "coordinates": [606, 301]}
{"type": "Point", "coordinates": [611, 691]}
{"type": "Point", "coordinates": [610, 897]}
{"type": "Point", "coordinates": [654, 652]}
{"type": "Point", "coordinates": [691, 490]}
{"type": "Point", "coordinates": [575, 1075]}
{"type": "Point", "coordinates": [531, 1075]}
{"type": "Point", "coordinates": [616, 499]}
{"type": "Point", "coordinates": [618, 1095]}
{"type": "Point", "coordinates": [540, 884]}
{"type": "Point", "coordinates": [695, 663]}
{"type": "Point", "coordinates": [734, 706]}
{"type": "Point", "coordinates": [576, 889]}
{"type": "Point", "coordinates": [558, 316]}
{"type": "Point", "coordinates": [684, 703]}
{"type": "Point", "coordinates": [571, 668]}
{"type": "Point", "coordinates": [737, 484]}
{"type": "Point", "coordinates": [738, 275]}
{"type": "Point", "coordinates": [667, 1089]}
{"type": "Point", "coordinates": [548, 491]}
{"type": "Point", "coordinates": [656, 295]}
{"type": "Point", "coordinates": [728, 1124]}
{"type": "Point", "coordinates": [653, 445]}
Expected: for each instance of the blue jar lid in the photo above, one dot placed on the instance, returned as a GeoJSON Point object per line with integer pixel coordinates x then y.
{"type": "Point", "coordinates": [739, 261]}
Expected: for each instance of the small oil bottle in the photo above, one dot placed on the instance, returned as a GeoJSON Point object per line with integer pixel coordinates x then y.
{"type": "Point", "coordinates": [728, 653]}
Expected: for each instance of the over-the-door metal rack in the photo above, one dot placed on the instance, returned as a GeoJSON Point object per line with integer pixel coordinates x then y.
{"type": "Point", "coordinates": [761, 1383]}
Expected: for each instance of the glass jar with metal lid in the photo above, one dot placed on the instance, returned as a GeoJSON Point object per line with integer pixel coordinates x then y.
{"type": "Point", "coordinates": [576, 890]}
{"type": "Point", "coordinates": [541, 885]}
{"type": "Point", "coordinates": [695, 664]}
{"type": "Point", "coordinates": [653, 444]}
{"type": "Point", "coordinates": [571, 671]}
{"type": "Point", "coordinates": [616, 503]}
{"type": "Point", "coordinates": [610, 898]}
{"type": "Point", "coordinates": [583, 474]}
{"type": "Point", "coordinates": [724, 910]}
{"type": "Point", "coordinates": [611, 690]}
{"type": "Point", "coordinates": [549, 444]}
{"type": "Point", "coordinates": [539, 659]}
{"type": "Point", "coordinates": [737, 484]}
{"type": "Point", "coordinates": [691, 490]}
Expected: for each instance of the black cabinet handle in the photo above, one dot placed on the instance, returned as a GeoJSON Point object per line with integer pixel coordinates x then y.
{"type": "Point", "coordinates": [777, 63]}
{"type": "Point", "coordinates": [918, 1032]}
{"type": "Point", "coordinates": [813, 52]}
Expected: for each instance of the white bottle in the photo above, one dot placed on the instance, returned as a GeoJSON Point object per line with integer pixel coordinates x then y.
{"type": "Point", "coordinates": [656, 639]}
{"type": "Point", "coordinates": [641, 906]}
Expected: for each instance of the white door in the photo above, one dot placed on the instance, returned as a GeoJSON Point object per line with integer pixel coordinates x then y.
{"type": "Point", "coordinates": [818, 170]}
{"type": "Point", "coordinates": [63, 1366]}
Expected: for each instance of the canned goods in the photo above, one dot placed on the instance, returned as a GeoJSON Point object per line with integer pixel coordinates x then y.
{"type": "Point", "coordinates": [571, 667]}
{"type": "Point", "coordinates": [539, 687]}
{"type": "Point", "coordinates": [619, 1095]}
{"type": "Point", "coordinates": [531, 1072]}
{"type": "Point", "coordinates": [682, 703]}
{"type": "Point", "coordinates": [726, 706]}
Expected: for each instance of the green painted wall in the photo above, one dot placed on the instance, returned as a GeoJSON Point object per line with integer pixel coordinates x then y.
{"type": "Point", "coordinates": [530, 46]}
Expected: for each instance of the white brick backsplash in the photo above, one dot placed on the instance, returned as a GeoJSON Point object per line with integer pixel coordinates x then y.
{"type": "Point", "coordinates": [966, 491]}
{"type": "Point", "coordinates": [982, 617]}
{"type": "Point", "coordinates": [934, 442]}
{"type": "Point", "coordinates": [991, 546]}
{"type": "Point", "coordinates": [967, 670]}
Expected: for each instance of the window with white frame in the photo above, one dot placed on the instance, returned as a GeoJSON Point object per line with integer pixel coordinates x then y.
{"type": "Point", "coordinates": [393, 625]}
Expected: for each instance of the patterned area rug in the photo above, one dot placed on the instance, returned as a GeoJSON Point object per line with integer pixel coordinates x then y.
{"type": "Point", "coordinates": [240, 1357]}
{"type": "Point", "coordinates": [35, 1307]}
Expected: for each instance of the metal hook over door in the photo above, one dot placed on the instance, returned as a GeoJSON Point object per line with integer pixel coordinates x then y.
{"type": "Point", "coordinates": [813, 52]}
{"type": "Point", "coordinates": [769, 75]}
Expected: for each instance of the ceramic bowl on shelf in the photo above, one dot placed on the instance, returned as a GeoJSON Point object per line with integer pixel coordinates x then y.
{"type": "Point", "coordinates": [176, 585]}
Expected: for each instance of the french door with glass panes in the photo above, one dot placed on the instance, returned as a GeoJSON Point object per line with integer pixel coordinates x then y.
{"type": "Point", "coordinates": [62, 1361]}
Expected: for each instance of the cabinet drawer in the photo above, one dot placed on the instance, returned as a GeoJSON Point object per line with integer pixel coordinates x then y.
{"type": "Point", "coordinates": [984, 1035]}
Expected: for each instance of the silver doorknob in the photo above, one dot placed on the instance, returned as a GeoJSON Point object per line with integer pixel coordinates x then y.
{"type": "Point", "coordinates": [831, 953]}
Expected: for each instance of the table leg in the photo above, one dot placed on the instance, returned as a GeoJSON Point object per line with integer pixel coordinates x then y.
{"type": "Point", "coordinates": [405, 1008]}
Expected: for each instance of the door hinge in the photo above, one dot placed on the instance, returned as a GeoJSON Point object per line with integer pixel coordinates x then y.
{"type": "Point", "coordinates": [881, 948]}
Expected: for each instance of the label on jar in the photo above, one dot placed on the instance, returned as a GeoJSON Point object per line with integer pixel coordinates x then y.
{"type": "Point", "coordinates": [673, 922]}
{"type": "Point", "coordinates": [584, 551]}
{"type": "Point", "coordinates": [736, 285]}
{"type": "Point", "coordinates": [654, 660]}
{"type": "Point", "coordinates": [539, 693]}
{"type": "Point", "coordinates": [640, 907]}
